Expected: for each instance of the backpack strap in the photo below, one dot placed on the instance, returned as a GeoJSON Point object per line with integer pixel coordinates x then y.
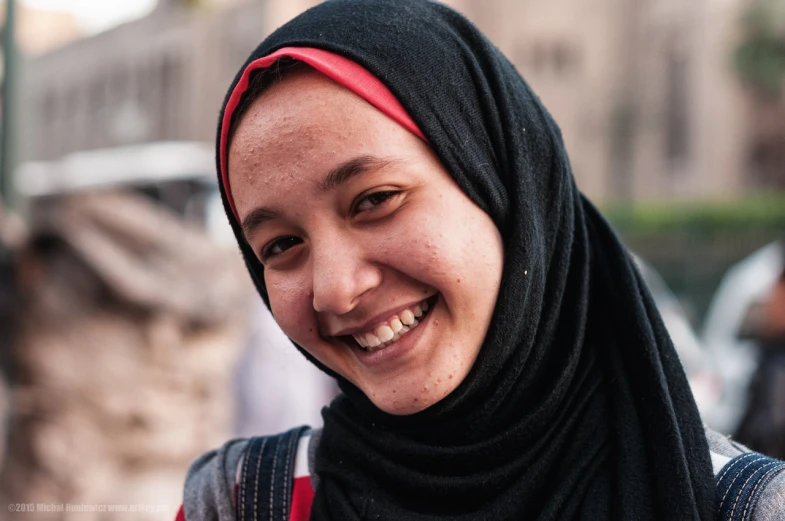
{"type": "Point", "coordinates": [740, 483]}
{"type": "Point", "coordinates": [265, 482]}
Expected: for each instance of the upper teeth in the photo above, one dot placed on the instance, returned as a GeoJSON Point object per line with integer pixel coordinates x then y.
{"type": "Point", "coordinates": [391, 329]}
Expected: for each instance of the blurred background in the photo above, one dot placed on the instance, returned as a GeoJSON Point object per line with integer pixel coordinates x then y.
{"type": "Point", "coordinates": [131, 340]}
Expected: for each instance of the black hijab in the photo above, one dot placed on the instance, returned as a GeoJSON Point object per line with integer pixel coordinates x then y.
{"type": "Point", "coordinates": [577, 406]}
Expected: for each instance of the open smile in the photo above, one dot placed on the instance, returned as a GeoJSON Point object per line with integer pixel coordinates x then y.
{"type": "Point", "coordinates": [392, 329]}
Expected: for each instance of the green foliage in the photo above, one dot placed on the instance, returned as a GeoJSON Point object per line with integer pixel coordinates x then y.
{"type": "Point", "coordinates": [765, 212]}
{"type": "Point", "coordinates": [692, 245]}
{"type": "Point", "coordinates": [759, 59]}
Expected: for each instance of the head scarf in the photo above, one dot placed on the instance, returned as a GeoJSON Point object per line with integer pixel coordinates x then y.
{"type": "Point", "coordinates": [577, 406]}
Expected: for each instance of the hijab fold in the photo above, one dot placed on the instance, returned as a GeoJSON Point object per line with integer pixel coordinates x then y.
{"type": "Point", "coordinates": [577, 407]}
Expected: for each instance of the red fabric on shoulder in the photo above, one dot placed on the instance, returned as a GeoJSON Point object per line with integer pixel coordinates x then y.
{"type": "Point", "coordinates": [302, 498]}
{"type": "Point", "coordinates": [336, 67]}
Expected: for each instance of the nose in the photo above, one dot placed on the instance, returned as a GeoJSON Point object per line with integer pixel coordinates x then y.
{"type": "Point", "coordinates": [341, 274]}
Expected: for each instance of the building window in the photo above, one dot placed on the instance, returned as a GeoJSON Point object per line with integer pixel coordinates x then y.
{"type": "Point", "coordinates": [170, 89]}
{"type": "Point", "coordinates": [676, 108]}
{"type": "Point", "coordinates": [558, 59]}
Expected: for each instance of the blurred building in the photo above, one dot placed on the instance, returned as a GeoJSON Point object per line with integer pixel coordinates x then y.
{"type": "Point", "coordinates": [152, 84]}
{"type": "Point", "coordinates": [39, 31]}
{"type": "Point", "coordinates": [158, 78]}
{"type": "Point", "coordinates": [643, 91]}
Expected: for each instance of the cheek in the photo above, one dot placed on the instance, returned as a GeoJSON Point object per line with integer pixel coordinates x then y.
{"type": "Point", "coordinates": [464, 255]}
{"type": "Point", "coordinates": [423, 253]}
{"type": "Point", "coordinates": [446, 251]}
{"type": "Point", "coordinates": [292, 308]}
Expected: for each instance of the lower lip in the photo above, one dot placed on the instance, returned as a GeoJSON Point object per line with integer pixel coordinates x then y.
{"type": "Point", "coordinates": [396, 350]}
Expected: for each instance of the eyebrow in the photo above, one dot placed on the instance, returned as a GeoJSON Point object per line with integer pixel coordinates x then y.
{"type": "Point", "coordinates": [337, 177]}
{"type": "Point", "coordinates": [344, 172]}
{"type": "Point", "coordinates": [255, 219]}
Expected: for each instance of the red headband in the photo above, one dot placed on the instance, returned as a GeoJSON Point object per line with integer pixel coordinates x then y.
{"type": "Point", "coordinates": [339, 69]}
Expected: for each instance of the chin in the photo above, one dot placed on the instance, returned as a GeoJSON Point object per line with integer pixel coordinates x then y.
{"type": "Point", "coordinates": [403, 404]}
{"type": "Point", "coordinates": [402, 409]}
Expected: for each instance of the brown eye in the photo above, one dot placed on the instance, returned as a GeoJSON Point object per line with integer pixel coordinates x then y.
{"type": "Point", "coordinates": [371, 201]}
{"type": "Point", "coordinates": [279, 246]}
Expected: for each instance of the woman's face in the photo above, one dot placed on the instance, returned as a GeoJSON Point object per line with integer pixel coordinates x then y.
{"type": "Point", "coordinates": [375, 261]}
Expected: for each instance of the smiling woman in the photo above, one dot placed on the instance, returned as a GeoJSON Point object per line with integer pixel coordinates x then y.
{"type": "Point", "coordinates": [406, 208]}
{"type": "Point", "coordinates": [347, 272]}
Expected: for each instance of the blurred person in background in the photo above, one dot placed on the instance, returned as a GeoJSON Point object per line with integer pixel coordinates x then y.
{"type": "Point", "coordinates": [271, 373]}
{"type": "Point", "coordinates": [406, 208]}
{"type": "Point", "coordinates": [732, 326]}
{"type": "Point", "coordinates": [763, 426]}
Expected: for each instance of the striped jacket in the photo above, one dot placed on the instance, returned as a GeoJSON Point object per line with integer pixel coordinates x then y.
{"type": "Point", "coordinates": [212, 487]}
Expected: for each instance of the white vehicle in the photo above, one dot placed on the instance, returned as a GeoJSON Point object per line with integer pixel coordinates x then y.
{"type": "Point", "coordinates": [733, 305]}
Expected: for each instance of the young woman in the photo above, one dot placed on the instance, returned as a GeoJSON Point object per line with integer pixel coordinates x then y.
{"type": "Point", "coordinates": [406, 208]}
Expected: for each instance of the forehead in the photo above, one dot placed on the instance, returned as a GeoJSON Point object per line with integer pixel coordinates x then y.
{"type": "Point", "coordinates": [299, 106]}
{"type": "Point", "coordinates": [301, 128]}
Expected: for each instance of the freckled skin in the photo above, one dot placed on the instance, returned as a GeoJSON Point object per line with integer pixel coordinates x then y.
{"type": "Point", "coordinates": [344, 268]}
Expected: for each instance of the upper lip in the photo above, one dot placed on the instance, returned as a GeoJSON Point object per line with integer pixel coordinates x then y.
{"type": "Point", "coordinates": [376, 320]}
